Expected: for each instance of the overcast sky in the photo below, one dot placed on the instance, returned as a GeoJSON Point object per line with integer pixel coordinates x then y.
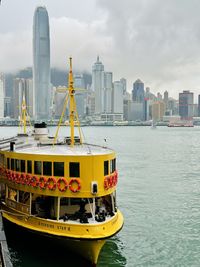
{"type": "Point", "coordinates": [157, 41]}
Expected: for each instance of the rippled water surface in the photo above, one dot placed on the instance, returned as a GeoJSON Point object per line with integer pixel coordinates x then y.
{"type": "Point", "coordinates": [158, 194]}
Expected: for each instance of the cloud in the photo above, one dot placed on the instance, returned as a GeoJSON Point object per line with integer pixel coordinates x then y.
{"type": "Point", "coordinates": [156, 41]}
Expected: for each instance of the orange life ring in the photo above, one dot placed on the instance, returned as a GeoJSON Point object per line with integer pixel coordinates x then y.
{"type": "Point", "coordinates": [34, 181]}
{"type": "Point", "coordinates": [110, 181]}
{"type": "Point", "coordinates": [106, 184]}
{"type": "Point", "coordinates": [51, 183]}
{"type": "Point", "coordinates": [62, 184]}
{"type": "Point", "coordinates": [9, 175]}
{"type": "Point", "coordinates": [28, 179]}
{"type": "Point", "coordinates": [13, 176]}
{"type": "Point", "coordinates": [77, 183]}
{"type": "Point", "coordinates": [23, 178]}
{"type": "Point", "coordinates": [17, 178]}
{"type": "Point", "coordinates": [42, 182]}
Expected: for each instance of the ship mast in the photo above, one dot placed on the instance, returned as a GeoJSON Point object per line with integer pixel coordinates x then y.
{"type": "Point", "coordinates": [71, 102]}
{"type": "Point", "coordinates": [73, 115]}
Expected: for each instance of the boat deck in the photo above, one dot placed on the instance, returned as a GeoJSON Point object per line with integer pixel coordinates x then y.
{"type": "Point", "coordinates": [29, 145]}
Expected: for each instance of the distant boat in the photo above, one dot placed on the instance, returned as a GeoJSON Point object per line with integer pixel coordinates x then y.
{"type": "Point", "coordinates": [181, 123]}
{"type": "Point", "coordinates": [153, 124]}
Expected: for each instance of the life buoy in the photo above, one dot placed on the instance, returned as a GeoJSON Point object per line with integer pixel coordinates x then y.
{"type": "Point", "coordinates": [23, 178]}
{"type": "Point", "coordinates": [34, 181]}
{"type": "Point", "coordinates": [9, 175]}
{"type": "Point", "coordinates": [13, 176]}
{"type": "Point", "coordinates": [110, 181]}
{"type": "Point", "coordinates": [106, 184]}
{"type": "Point", "coordinates": [28, 179]}
{"type": "Point", "coordinates": [62, 184]}
{"type": "Point", "coordinates": [77, 183]}
{"type": "Point", "coordinates": [51, 183]}
{"type": "Point", "coordinates": [42, 182]}
{"type": "Point", "coordinates": [17, 178]}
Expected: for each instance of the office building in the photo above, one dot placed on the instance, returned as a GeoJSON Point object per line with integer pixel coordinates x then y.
{"type": "Point", "coordinates": [123, 82]}
{"type": "Point", "coordinates": [186, 105]}
{"type": "Point", "coordinates": [2, 94]}
{"type": "Point", "coordinates": [108, 83]}
{"type": "Point", "coordinates": [138, 91]}
{"type": "Point", "coordinates": [158, 110]}
{"type": "Point", "coordinates": [23, 87]}
{"type": "Point", "coordinates": [97, 85]}
{"type": "Point", "coordinates": [41, 63]}
{"type": "Point", "coordinates": [117, 97]}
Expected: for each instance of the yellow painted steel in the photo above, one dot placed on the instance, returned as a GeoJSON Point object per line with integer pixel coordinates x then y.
{"type": "Point", "coordinates": [86, 240]}
{"type": "Point", "coordinates": [73, 115]}
{"type": "Point", "coordinates": [91, 169]}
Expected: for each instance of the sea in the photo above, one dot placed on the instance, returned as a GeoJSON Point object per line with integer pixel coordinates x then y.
{"type": "Point", "coordinates": [158, 193]}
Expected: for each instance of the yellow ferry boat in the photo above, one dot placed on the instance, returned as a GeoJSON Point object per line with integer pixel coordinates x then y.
{"type": "Point", "coordinates": [61, 186]}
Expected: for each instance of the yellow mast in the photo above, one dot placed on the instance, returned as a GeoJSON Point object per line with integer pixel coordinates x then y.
{"type": "Point", "coordinates": [24, 113]}
{"type": "Point", "coordinates": [71, 102]}
{"type": "Point", "coordinates": [73, 115]}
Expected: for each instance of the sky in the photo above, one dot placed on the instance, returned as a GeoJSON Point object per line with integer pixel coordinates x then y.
{"type": "Point", "coordinates": [156, 41]}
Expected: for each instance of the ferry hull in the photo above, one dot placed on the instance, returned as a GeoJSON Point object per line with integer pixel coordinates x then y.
{"type": "Point", "coordinates": [87, 247]}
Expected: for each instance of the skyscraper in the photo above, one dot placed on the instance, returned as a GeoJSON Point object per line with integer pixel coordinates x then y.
{"type": "Point", "coordinates": [186, 105]}
{"type": "Point", "coordinates": [138, 91]}
{"type": "Point", "coordinates": [108, 81]}
{"type": "Point", "coordinates": [97, 84]}
{"type": "Point", "coordinates": [41, 63]}
{"type": "Point", "coordinates": [2, 94]}
{"type": "Point", "coordinates": [22, 87]}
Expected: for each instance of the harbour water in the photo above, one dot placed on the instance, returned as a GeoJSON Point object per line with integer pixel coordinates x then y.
{"type": "Point", "coordinates": [158, 194]}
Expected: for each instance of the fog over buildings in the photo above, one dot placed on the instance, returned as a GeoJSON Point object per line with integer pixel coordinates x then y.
{"type": "Point", "coordinates": [135, 38]}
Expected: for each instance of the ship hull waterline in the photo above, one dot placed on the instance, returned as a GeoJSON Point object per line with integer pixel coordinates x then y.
{"type": "Point", "coordinates": [88, 248]}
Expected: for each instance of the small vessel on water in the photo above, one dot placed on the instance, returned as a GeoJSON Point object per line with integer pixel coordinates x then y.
{"type": "Point", "coordinates": [61, 187]}
{"type": "Point", "coordinates": [153, 124]}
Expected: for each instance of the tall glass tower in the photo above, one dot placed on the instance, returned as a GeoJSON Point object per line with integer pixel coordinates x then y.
{"type": "Point", "coordinates": [97, 83]}
{"type": "Point", "coordinates": [41, 63]}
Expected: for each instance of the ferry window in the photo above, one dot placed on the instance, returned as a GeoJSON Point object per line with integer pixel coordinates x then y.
{"type": "Point", "coordinates": [8, 163]}
{"type": "Point", "coordinates": [38, 167]}
{"type": "Point", "coordinates": [17, 165]}
{"type": "Point", "coordinates": [47, 168]}
{"type": "Point", "coordinates": [29, 166]}
{"type": "Point", "coordinates": [106, 167]}
{"type": "Point", "coordinates": [74, 169]}
{"type": "Point", "coordinates": [23, 169]}
{"type": "Point", "coordinates": [112, 165]}
{"type": "Point", "coordinates": [24, 197]}
{"type": "Point", "coordinates": [12, 164]}
{"type": "Point", "coordinates": [58, 168]}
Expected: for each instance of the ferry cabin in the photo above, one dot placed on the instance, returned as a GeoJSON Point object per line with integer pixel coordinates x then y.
{"type": "Point", "coordinates": [58, 183]}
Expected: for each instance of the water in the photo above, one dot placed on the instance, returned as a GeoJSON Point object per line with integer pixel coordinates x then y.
{"type": "Point", "coordinates": [158, 193]}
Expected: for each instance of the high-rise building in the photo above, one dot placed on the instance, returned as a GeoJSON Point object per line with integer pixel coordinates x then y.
{"type": "Point", "coordinates": [41, 63]}
{"type": "Point", "coordinates": [186, 105]}
{"type": "Point", "coordinates": [166, 98]}
{"type": "Point", "coordinates": [108, 81]}
{"type": "Point", "coordinates": [97, 85]}
{"type": "Point", "coordinates": [2, 94]}
{"type": "Point", "coordinates": [158, 110]}
{"type": "Point", "coordinates": [138, 91]}
{"type": "Point", "coordinates": [198, 105]}
{"type": "Point", "coordinates": [23, 87]}
{"type": "Point", "coordinates": [123, 82]}
{"type": "Point", "coordinates": [117, 97]}
{"type": "Point", "coordinates": [80, 95]}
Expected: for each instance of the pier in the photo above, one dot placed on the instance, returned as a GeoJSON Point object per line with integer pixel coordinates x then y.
{"type": "Point", "coordinates": [4, 252]}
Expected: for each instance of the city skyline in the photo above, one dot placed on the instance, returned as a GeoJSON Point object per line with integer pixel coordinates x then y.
{"type": "Point", "coordinates": [153, 48]}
